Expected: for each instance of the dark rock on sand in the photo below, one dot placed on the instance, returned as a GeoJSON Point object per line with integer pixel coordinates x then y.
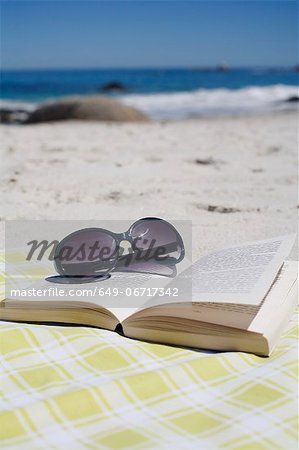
{"type": "Point", "coordinates": [97, 108]}
{"type": "Point", "coordinates": [222, 209]}
{"type": "Point", "coordinates": [113, 86]}
{"type": "Point", "coordinates": [5, 115]}
{"type": "Point", "coordinates": [218, 208]}
{"type": "Point", "coordinates": [205, 161]}
{"type": "Point", "coordinates": [13, 115]}
{"type": "Point", "coordinates": [292, 99]}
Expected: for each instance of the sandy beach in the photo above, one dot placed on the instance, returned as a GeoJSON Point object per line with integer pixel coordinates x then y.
{"type": "Point", "coordinates": [234, 177]}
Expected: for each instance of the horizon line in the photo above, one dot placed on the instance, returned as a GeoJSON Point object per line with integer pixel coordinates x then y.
{"type": "Point", "coordinates": [189, 67]}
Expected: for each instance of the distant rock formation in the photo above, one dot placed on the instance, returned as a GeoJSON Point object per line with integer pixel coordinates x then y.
{"type": "Point", "coordinates": [223, 67]}
{"type": "Point", "coordinates": [97, 108]}
{"type": "Point", "coordinates": [113, 86]}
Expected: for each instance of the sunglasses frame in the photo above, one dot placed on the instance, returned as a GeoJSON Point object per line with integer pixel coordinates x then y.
{"type": "Point", "coordinates": [119, 237]}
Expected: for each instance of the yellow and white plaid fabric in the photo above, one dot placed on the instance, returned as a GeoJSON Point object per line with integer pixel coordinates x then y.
{"type": "Point", "coordinates": [74, 388]}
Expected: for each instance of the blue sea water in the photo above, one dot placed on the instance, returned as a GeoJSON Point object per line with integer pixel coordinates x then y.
{"type": "Point", "coordinates": [162, 93]}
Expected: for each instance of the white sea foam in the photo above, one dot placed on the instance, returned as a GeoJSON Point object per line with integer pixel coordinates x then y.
{"type": "Point", "coordinates": [14, 105]}
{"type": "Point", "coordinates": [206, 102]}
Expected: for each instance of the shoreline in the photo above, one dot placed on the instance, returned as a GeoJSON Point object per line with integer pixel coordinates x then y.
{"type": "Point", "coordinates": [292, 111]}
{"type": "Point", "coordinates": [176, 105]}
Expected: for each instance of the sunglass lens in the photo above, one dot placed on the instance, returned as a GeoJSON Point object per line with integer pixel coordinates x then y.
{"type": "Point", "coordinates": [158, 236]}
{"type": "Point", "coordinates": [86, 253]}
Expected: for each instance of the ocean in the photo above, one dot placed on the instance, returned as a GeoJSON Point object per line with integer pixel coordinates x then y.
{"type": "Point", "coordinates": [161, 93]}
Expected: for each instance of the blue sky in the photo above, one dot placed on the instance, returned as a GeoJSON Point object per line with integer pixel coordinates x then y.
{"type": "Point", "coordinates": [54, 34]}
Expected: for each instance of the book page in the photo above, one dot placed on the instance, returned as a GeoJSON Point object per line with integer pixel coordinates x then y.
{"type": "Point", "coordinates": [251, 317]}
{"type": "Point", "coordinates": [241, 274]}
{"type": "Point", "coordinates": [274, 307]}
{"type": "Point", "coordinates": [227, 314]}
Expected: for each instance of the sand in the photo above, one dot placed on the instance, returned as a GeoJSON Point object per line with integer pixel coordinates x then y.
{"type": "Point", "coordinates": [234, 177]}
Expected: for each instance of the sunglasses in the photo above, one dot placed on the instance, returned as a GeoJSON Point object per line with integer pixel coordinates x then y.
{"type": "Point", "coordinates": [150, 245]}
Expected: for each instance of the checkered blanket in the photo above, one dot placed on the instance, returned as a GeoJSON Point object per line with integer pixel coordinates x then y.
{"type": "Point", "coordinates": [74, 388]}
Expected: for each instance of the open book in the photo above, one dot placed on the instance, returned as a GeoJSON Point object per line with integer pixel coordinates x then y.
{"type": "Point", "coordinates": [242, 297]}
